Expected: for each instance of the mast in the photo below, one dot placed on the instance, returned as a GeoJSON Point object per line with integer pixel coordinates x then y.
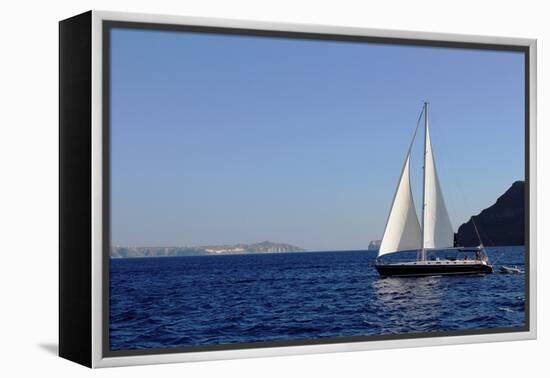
{"type": "Point", "coordinates": [423, 252]}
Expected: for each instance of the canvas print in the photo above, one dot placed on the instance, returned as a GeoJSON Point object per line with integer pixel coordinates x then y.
{"type": "Point", "coordinates": [277, 190]}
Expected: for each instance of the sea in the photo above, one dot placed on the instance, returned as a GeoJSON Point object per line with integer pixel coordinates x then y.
{"type": "Point", "coordinates": [168, 302]}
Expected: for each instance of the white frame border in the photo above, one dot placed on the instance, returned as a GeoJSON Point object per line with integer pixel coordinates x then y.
{"type": "Point", "coordinates": [97, 195]}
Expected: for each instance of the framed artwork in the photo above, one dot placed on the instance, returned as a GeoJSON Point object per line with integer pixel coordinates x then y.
{"type": "Point", "coordinates": [235, 188]}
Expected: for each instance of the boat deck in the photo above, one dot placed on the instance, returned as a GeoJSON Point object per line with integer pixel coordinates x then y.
{"type": "Point", "coordinates": [438, 262]}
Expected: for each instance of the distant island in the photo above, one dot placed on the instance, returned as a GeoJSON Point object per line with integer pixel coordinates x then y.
{"type": "Point", "coordinates": [207, 250]}
{"type": "Point", "coordinates": [374, 245]}
{"type": "Point", "coordinates": [503, 223]}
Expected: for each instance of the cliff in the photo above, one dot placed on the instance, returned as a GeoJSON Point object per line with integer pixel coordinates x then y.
{"type": "Point", "coordinates": [503, 223]}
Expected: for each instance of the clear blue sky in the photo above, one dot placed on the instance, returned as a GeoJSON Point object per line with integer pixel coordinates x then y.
{"type": "Point", "coordinates": [227, 139]}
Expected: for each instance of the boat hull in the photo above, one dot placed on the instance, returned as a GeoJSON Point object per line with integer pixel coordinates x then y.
{"type": "Point", "coordinates": [402, 270]}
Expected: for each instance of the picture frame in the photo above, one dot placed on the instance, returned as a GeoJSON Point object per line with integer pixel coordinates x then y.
{"type": "Point", "coordinates": [85, 174]}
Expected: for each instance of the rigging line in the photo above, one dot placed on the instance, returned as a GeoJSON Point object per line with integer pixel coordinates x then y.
{"type": "Point", "coordinates": [415, 130]}
{"type": "Point", "coordinates": [487, 238]}
{"type": "Point", "coordinates": [477, 233]}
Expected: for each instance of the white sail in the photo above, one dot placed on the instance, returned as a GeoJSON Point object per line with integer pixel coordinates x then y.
{"type": "Point", "coordinates": [402, 230]}
{"type": "Point", "coordinates": [438, 231]}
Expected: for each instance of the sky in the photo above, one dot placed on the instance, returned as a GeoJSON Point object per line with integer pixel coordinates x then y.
{"type": "Point", "coordinates": [219, 139]}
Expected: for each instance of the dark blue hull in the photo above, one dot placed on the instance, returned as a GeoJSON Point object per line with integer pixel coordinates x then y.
{"type": "Point", "coordinates": [432, 269]}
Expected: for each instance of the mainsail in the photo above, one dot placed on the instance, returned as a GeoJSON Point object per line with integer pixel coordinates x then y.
{"type": "Point", "coordinates": [402, 231]}
{"type": "Point", "coordinates": [438, 231]}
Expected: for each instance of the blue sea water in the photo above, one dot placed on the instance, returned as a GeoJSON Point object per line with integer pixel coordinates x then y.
{"type": "Point", "coordinates": [206, 300]}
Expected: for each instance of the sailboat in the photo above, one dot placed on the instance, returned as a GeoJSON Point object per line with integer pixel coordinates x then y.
{"type": "Point", "coordinates": [403, 231]}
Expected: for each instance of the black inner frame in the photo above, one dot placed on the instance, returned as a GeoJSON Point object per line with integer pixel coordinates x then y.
{"type": "Point", "coordinates": [107, 26]}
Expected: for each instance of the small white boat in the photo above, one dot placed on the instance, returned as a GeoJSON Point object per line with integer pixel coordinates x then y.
{"type": "Point", "coordinates": [510, 269]}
